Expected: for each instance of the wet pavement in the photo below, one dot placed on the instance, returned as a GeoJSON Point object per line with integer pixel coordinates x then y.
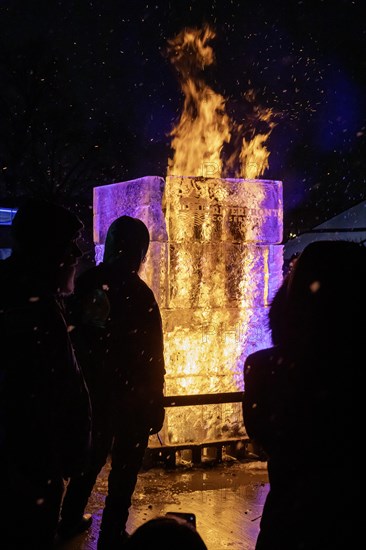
{"type": "Point", "coordinates": [227, 499]}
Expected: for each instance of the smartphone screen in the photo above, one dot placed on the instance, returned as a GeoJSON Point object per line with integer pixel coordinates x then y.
{"type": "Point", "coordinates": [187, 516]}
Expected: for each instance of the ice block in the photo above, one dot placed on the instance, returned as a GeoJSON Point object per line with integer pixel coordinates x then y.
{"type": "Point", "coordinates": [214, 263]}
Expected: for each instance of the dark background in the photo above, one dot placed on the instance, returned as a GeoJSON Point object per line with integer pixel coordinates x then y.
{"type": "Point", "coordinates": [88, 96]}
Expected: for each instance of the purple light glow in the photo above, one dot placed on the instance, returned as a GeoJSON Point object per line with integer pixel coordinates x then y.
{"type": "Point", "coordinates": [214, 263]}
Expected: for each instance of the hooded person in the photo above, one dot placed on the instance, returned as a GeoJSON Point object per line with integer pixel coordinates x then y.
{"type": "Point", "coordinates": [45, 413]}
{"type": "Point", "coordinates": [304, 393]}
{"type": "Point", "coordinates": [118, 340]}
{"type": "Point", "coordinates": [127, 239]}
{"type": "Point", "coordinates": [44, 238]}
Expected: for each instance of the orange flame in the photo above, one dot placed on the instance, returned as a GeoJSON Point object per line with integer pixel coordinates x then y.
{"type": "Point", "coordinates": [204, 126]}
{"type": "Point", "coordinates": [254, 154]}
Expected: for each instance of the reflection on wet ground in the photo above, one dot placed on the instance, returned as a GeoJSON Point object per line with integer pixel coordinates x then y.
{"type": "Point", "coordinates": [226, 498]}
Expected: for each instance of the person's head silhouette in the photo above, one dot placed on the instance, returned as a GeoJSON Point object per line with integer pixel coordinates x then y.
{"type": "Point", "coordinates": [322, 300]}
{"type": "Point", "coordinates": [44, 238]}
{"type": "Point", "coordinates": [165, 533]}
{"type": "Point", "coordinates": [127, 240]}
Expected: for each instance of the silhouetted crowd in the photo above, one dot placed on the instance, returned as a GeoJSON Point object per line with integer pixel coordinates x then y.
{"type": "Point", "coordinates": [82, 380]}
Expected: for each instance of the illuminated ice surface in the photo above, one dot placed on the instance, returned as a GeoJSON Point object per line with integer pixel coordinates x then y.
{"type": "Point", "coordinates": [214, 263]}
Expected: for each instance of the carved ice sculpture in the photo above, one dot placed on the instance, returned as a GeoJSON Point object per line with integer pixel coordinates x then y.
{"type": "Point", "coordinates": [214, 263]}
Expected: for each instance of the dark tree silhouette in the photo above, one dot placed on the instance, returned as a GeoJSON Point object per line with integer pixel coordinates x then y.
{"type": "Point", "coordinates": [48, 146]}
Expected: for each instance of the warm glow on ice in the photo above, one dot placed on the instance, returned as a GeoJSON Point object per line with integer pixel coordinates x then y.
{"type": "Point", "coordinates": [214, 261]}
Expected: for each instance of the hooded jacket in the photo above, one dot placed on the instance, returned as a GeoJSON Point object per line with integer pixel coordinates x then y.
{"type": "Point", "coordinates": [45, 411]}
{"type": "Point", "coordinates": [118, 339]}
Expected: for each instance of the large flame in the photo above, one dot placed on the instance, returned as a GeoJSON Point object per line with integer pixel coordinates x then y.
{"type": "Point", "coordinates": [204, 126]}
{"type": "Point", "coordinates": [211, 267]}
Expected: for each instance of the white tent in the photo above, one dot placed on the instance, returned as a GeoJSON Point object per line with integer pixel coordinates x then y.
{"type": "Point", "coordinates": [349, 225]}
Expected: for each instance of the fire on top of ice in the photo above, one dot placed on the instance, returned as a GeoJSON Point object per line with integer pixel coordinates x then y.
{"type": "Point", "coordinates": [204, 126]}
{"type": "Point", "coordinates": [214, 260]}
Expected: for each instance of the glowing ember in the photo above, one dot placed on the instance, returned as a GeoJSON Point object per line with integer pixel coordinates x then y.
{"type": "Point", "coordinates": [212, 264]}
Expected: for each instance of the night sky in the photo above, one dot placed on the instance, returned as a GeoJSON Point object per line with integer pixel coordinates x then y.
{"type": "Point", "coordinates": [88, 95]}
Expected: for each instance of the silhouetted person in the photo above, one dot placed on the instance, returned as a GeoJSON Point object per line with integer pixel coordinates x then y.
{"type": "Point", "coordinates": [303, 402]}
{"type": "Point", "coordinates": [119, 342]}
{"type": "Point", "coordinates": [45, 415]}
{"type": "Point", "coordinates": [165, 533]}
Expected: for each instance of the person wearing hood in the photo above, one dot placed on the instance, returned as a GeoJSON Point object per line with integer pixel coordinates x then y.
{"type": "Point", "coordinates": [45, 411]}
{"type": "Point", "coordinates": [303, 401]}
{"type": "Point", "coordinates": [118, 340]}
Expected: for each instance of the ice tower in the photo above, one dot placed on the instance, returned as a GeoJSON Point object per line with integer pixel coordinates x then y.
{"type": "Point", "coordinates": [214, 263]}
